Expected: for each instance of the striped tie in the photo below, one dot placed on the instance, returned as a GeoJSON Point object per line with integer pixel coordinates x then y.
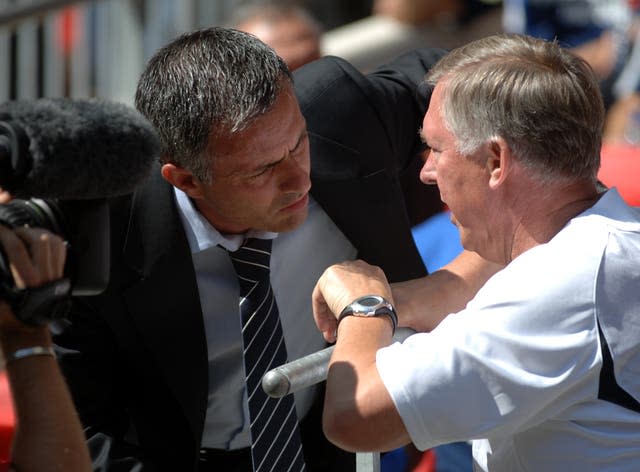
{"type": "Point", "coordinates": [275, 439]}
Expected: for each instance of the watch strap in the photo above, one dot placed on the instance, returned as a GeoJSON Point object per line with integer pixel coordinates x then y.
{"type": "Point", "coordinates": [386, 309]}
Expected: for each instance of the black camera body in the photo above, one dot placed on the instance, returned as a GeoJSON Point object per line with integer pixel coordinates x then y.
{"type": "Point", "coordinates": [84, 224]}
{"type": "Point", "coordinates": [63, 159]}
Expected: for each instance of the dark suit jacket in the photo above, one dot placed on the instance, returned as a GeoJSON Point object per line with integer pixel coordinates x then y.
{"type": "Point", "coordinates": [135, 357]}
{"type": "Point", "coordinates": [364, 144]}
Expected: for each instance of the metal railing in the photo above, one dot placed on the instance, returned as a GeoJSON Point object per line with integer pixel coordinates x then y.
{"type": "Point", "coordinates": [310, 370]}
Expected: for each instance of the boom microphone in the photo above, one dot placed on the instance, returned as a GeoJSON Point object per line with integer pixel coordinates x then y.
{"type": "Point", "coordinates": [73, 148]}
{"type": "Point", "coordinates": [71, 155]}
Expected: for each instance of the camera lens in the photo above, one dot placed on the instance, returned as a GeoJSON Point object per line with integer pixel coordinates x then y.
{"type": "Point", "coordinates": [34, 212]}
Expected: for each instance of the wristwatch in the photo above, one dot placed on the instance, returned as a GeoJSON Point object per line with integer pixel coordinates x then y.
{"type": "Point", "coordinates": [370, 305]}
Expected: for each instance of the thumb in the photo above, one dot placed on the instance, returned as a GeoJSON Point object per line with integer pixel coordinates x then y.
{"type": "Point", "coordinates": [323, 316]}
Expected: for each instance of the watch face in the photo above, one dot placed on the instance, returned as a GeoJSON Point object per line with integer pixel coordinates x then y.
{"type": "Point", "coordinates": [370, 305]}
{"type": "Point", "coordinates": [369, 301]}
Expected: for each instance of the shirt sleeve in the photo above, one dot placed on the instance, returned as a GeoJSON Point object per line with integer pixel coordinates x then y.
{"type": "Point", "coordinates": [517, 355]}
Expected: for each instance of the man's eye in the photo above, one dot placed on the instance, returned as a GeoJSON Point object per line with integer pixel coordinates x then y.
{"type": "Point", "coordinates": [265, 171]}
{"type": "Point", "coordinates": [259, 173]}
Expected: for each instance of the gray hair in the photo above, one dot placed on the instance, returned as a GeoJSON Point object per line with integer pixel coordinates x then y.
{"type": "Point", "coordinates": [207, 83]}
{"type": "Point", "coordinates": [544, 101]}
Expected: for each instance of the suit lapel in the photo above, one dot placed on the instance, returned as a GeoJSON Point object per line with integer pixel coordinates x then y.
{"type": "Point", "coordinates": [164, 303]}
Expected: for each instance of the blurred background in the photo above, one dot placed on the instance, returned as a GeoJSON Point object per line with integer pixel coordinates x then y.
{"type": "Point", "coordinates": [98, 48]}
{"type": "Point", "coordinates": [78, 49]}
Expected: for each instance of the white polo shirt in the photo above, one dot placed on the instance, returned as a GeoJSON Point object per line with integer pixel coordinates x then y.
{"type": "Point", "coordinates": [518, 370]}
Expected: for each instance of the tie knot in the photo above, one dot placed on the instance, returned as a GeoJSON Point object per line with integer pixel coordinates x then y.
{"type": "Point", "coordinates": [256, 244]}
{"type": "Point", "coordinates": [252, 258]}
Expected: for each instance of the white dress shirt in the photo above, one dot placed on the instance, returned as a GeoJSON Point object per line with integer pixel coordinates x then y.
{"type": "Point", "coordinates": [298, 259]}
{"type": "Point", "coordinates": [518, 370]}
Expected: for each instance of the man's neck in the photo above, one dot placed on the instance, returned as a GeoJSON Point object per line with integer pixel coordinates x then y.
{"type": "Point", "coordinates": [541, 219]}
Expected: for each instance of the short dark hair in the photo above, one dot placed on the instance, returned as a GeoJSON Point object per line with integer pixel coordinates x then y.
{"type": "Point", "coordinates": [207, 83]}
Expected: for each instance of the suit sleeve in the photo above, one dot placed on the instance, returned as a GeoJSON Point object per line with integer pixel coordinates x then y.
{"type": "Point", "coordinates": [97, 375]}
{"type": "Point", "coordinates": [366, 153]}
{"type": "Point", "coordinates": [400, 96]}
{"type": "Point", "coordinates": [89, 361]}
{"type": "Point", "coordinates": [403, 104]}
{"type": "Point", "coordinates": [377, 114]}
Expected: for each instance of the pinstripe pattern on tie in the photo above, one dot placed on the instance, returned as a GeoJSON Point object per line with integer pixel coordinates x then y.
{"type": "Point", "coordinates": [275, 438]}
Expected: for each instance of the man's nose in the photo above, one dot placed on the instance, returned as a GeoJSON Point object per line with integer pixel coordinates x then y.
{"type": "Point", "coordinates": [428, 171]}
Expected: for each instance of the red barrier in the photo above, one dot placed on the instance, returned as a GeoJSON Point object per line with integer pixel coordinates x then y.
{"type": "Point", "coordinates": [427, 462]}
{"type": "Point", "coordinates": [7, 422]}
{"type": "Point", "coordinates": [620, 168]}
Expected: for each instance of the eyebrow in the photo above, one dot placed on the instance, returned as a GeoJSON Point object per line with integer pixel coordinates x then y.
{"type": "Point", "coordinates": [423, 138]}
{"type": "Point", "coordinates": [303, 134]}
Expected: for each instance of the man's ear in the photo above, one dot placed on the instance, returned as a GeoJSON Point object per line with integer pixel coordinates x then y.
{"type": "Point", "coordinates": [499, 161]}
{"type": "Point", "coordinates": [182, 179]}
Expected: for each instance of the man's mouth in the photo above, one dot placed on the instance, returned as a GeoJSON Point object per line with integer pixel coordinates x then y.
{"type": "Point", "coordinates": [298, 204]}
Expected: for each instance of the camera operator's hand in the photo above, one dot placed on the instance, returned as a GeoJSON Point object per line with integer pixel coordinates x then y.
{"type": "Point", "coordinates": [35, 256]}
{"type": "Point", "coordinates": [49, 435]}
{"type": "Point", "coordinates": [5, 197]}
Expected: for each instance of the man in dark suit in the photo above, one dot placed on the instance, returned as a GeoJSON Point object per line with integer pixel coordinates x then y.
{"type": "Point", "coordinates": [155, 363]}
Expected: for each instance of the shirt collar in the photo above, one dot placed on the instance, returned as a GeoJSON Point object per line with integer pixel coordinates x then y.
{"type": "Point", "coordinates": [201, 234]}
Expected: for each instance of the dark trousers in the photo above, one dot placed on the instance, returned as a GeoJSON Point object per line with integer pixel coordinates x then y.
{"type": "Point", "coordinates": [319, 454]}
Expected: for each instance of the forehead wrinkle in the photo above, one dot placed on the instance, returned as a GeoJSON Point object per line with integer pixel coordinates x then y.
{"type": "Point", "coordinates": [253, 140]}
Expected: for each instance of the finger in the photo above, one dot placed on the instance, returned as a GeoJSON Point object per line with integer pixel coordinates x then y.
{"type": "Point", "coordinates": [328, 327]}
{"type": "Point", "coordinates": [5, 197]}
{"type": "Point", "coordinates": [319, 307]}
{"type": "Point", "coordinates": [324, 318]}
{"type": "Point", "coordinates": [37, 244]}
{"type": "Point", "coordinates": [330, 336]}
{"type": "Point", "coordinates": [57, 252]}
{"type": "Point", "coordinates": [46, 250]}
{"type": "Point", "coordinates": [22, 269]}
{"type": "Point", "coordinates": [59, 248]}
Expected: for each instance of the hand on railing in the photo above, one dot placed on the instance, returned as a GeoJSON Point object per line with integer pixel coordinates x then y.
{"type": "Point", "coordinates": [308, 370]}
